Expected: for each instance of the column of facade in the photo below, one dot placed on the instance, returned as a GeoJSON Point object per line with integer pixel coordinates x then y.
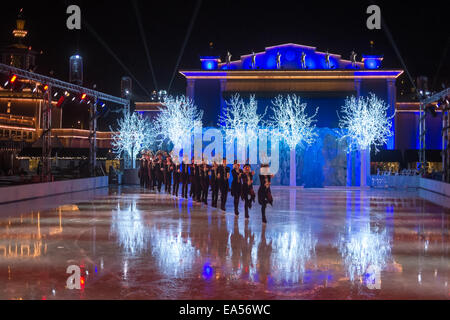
{"type": "Point", "coordinates": [223, 84]}
{"type": "Point", "coordinates": [190, 88]}
{"type": "Point", "coordinates": [391, 90]}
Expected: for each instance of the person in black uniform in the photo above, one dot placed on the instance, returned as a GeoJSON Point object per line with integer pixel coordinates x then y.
{"type": "Point", "coordinates": [236, 186]}
{"type": "Point", "coordinates": [214, 184]}
{"type": "Point", "coordinates": [192, 179]}
{"type": "Point", "coordinates": [224, 186]}
{"type": "Point", "coordinates": [247, 194]}
{"type": "Point", "coordinates": [205, 182]}
{"type": "Point", "coordinates": [145, 173]}
{"type": "Point", "coordinates": [184, 177]}
{"type": "Point", "coordinates": [158, 169]}
{"type": "Point", "coordinates": [264, 192]}
{"type": "Point", "coordinates": [141, 173]}
{"type": "Point", "coordinates": [176, 177]}
{"type": "Point", "coordinates": [168, 169]}
{"type": "Point", "coordinates": [198, 183]}
{"type": "Point", "coordinates": [151, 174]}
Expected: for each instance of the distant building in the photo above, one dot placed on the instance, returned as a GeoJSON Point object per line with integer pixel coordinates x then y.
{"type": "Point", "coordinates": [18, 54]}
{"type": "Point", "coordinates": [126, 87]}
{"type": "Point", "coordinates": [76, 70]}
{"type": "Point", "coordinates": [323, 80]}
{"type": "Point", "coordinates": [21, 107]}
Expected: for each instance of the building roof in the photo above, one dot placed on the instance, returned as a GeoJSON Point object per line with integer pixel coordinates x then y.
{"type": "Point", "coordinates": [292, 74]}
{"type": "Point", "coordinates": [290, 58]}
{"type": "Point", "coordinates": [148, 106]}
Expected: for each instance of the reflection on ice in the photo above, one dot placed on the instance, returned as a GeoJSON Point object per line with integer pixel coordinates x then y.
{"type": "Point", "coordinates": [127, 224]}
{"type": "Point", "coordinates": [174, 253]}
{"type": "Point", "coordinates": [293, 250]}
{"type": "Point", "coordinates": [365, 252]}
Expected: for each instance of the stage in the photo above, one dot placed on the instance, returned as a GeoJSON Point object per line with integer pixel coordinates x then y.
{"type": "Point", "coordinates": [338, 243]}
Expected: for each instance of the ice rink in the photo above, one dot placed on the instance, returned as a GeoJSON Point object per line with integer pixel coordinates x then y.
{"type": "Point", "coordinates": [318, 244]}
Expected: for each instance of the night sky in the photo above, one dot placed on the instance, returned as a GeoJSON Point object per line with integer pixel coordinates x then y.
{"type": "Point", "coordinates": [420, 32]}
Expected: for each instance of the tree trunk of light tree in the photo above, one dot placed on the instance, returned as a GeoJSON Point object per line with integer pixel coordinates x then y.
{"type": "Point", "coordinates": [364, 159]}
{"type": "Point", "coordinates": [133, 159]}
{"type": "Point", "coordinates": [293, 169]}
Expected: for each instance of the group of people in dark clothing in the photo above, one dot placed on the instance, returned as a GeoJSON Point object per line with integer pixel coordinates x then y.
{"type": "Point", "coordinates": [154, 172]}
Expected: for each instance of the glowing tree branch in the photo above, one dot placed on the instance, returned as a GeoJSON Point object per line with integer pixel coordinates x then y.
{"type": "Point", "coordinates": [294, 125]}
{"type": "Point", "coordinates": [365, 124]}
{"type": "Point", "coordinates": [134, 135]}
{"type": "Point", "coordinates": [177, 119]}
{"type": "Point", "coordinates": [241, 122]}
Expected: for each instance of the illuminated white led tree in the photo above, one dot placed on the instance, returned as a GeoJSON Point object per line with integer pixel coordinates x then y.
{"type": "Point", "coordinates": [134, 135]}
{"type": "Point", "coordinates": [365, 124]}
{"type": "Point", "coordinates": [241, 122]}
{"type": "Point", "coordinates": [294, 125]}
{"type": "Point", "coordinates": [177, 119]}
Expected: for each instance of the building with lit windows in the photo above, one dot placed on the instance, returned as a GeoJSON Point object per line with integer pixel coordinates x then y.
{"type": "Point", "coordinates": [21, 107]}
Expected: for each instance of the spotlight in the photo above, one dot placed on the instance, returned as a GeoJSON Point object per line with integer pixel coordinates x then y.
{"type": "Point", "coordinates": [83, 96]}
{"type": "Point", "coordinates": [101, 110]}
{"type": "Point", "coordinates": [42, 88]}
{"type": "Point", "coordinates": [56, 94]}
{"type": "Point", "coordinates": [61, 102]}
{"type": "Point", "coordinates": [11, 80]}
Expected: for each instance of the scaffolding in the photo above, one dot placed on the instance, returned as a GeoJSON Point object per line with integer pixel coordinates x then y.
{"type": "Point", "coordinates": [46, 113]}
{"type": "Point", "coordinates": [439, 97]}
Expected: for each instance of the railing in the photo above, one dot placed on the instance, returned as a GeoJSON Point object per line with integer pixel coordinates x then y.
{"type": "Point", "coordinates": [381, 179]}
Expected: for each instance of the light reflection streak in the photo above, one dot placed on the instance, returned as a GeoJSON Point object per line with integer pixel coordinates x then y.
{"type": "Point", "coordinates": [129, 228]}
{"type": "Point", "coordinates": [174, 253]}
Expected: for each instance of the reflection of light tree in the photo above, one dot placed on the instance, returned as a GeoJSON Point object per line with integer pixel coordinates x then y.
{"type": "Point", "coordinates": [174, 254]}
{"type": "Point", "coordinates": [134, 135]}
{"type": "Point", "coordinates": [241, 122]}
{"type": "Point", "coordinates": [366, 124]}
{"type": "Point", "coordinates": [362, 249]}
{"type": "Point", "coordinates": [294, 125]}
{"type": "Point", "coordinates": [293, 250]}
{"type": "Point", "coordinates": [176, 120]}
{"type": "Point", "coordinates": [130, 230]}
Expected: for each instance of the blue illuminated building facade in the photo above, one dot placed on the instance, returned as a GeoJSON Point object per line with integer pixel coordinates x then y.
{"type": "Point", "coordinates": [323, 80]}
{"type": "Point", "coordinates": [321, 84]}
